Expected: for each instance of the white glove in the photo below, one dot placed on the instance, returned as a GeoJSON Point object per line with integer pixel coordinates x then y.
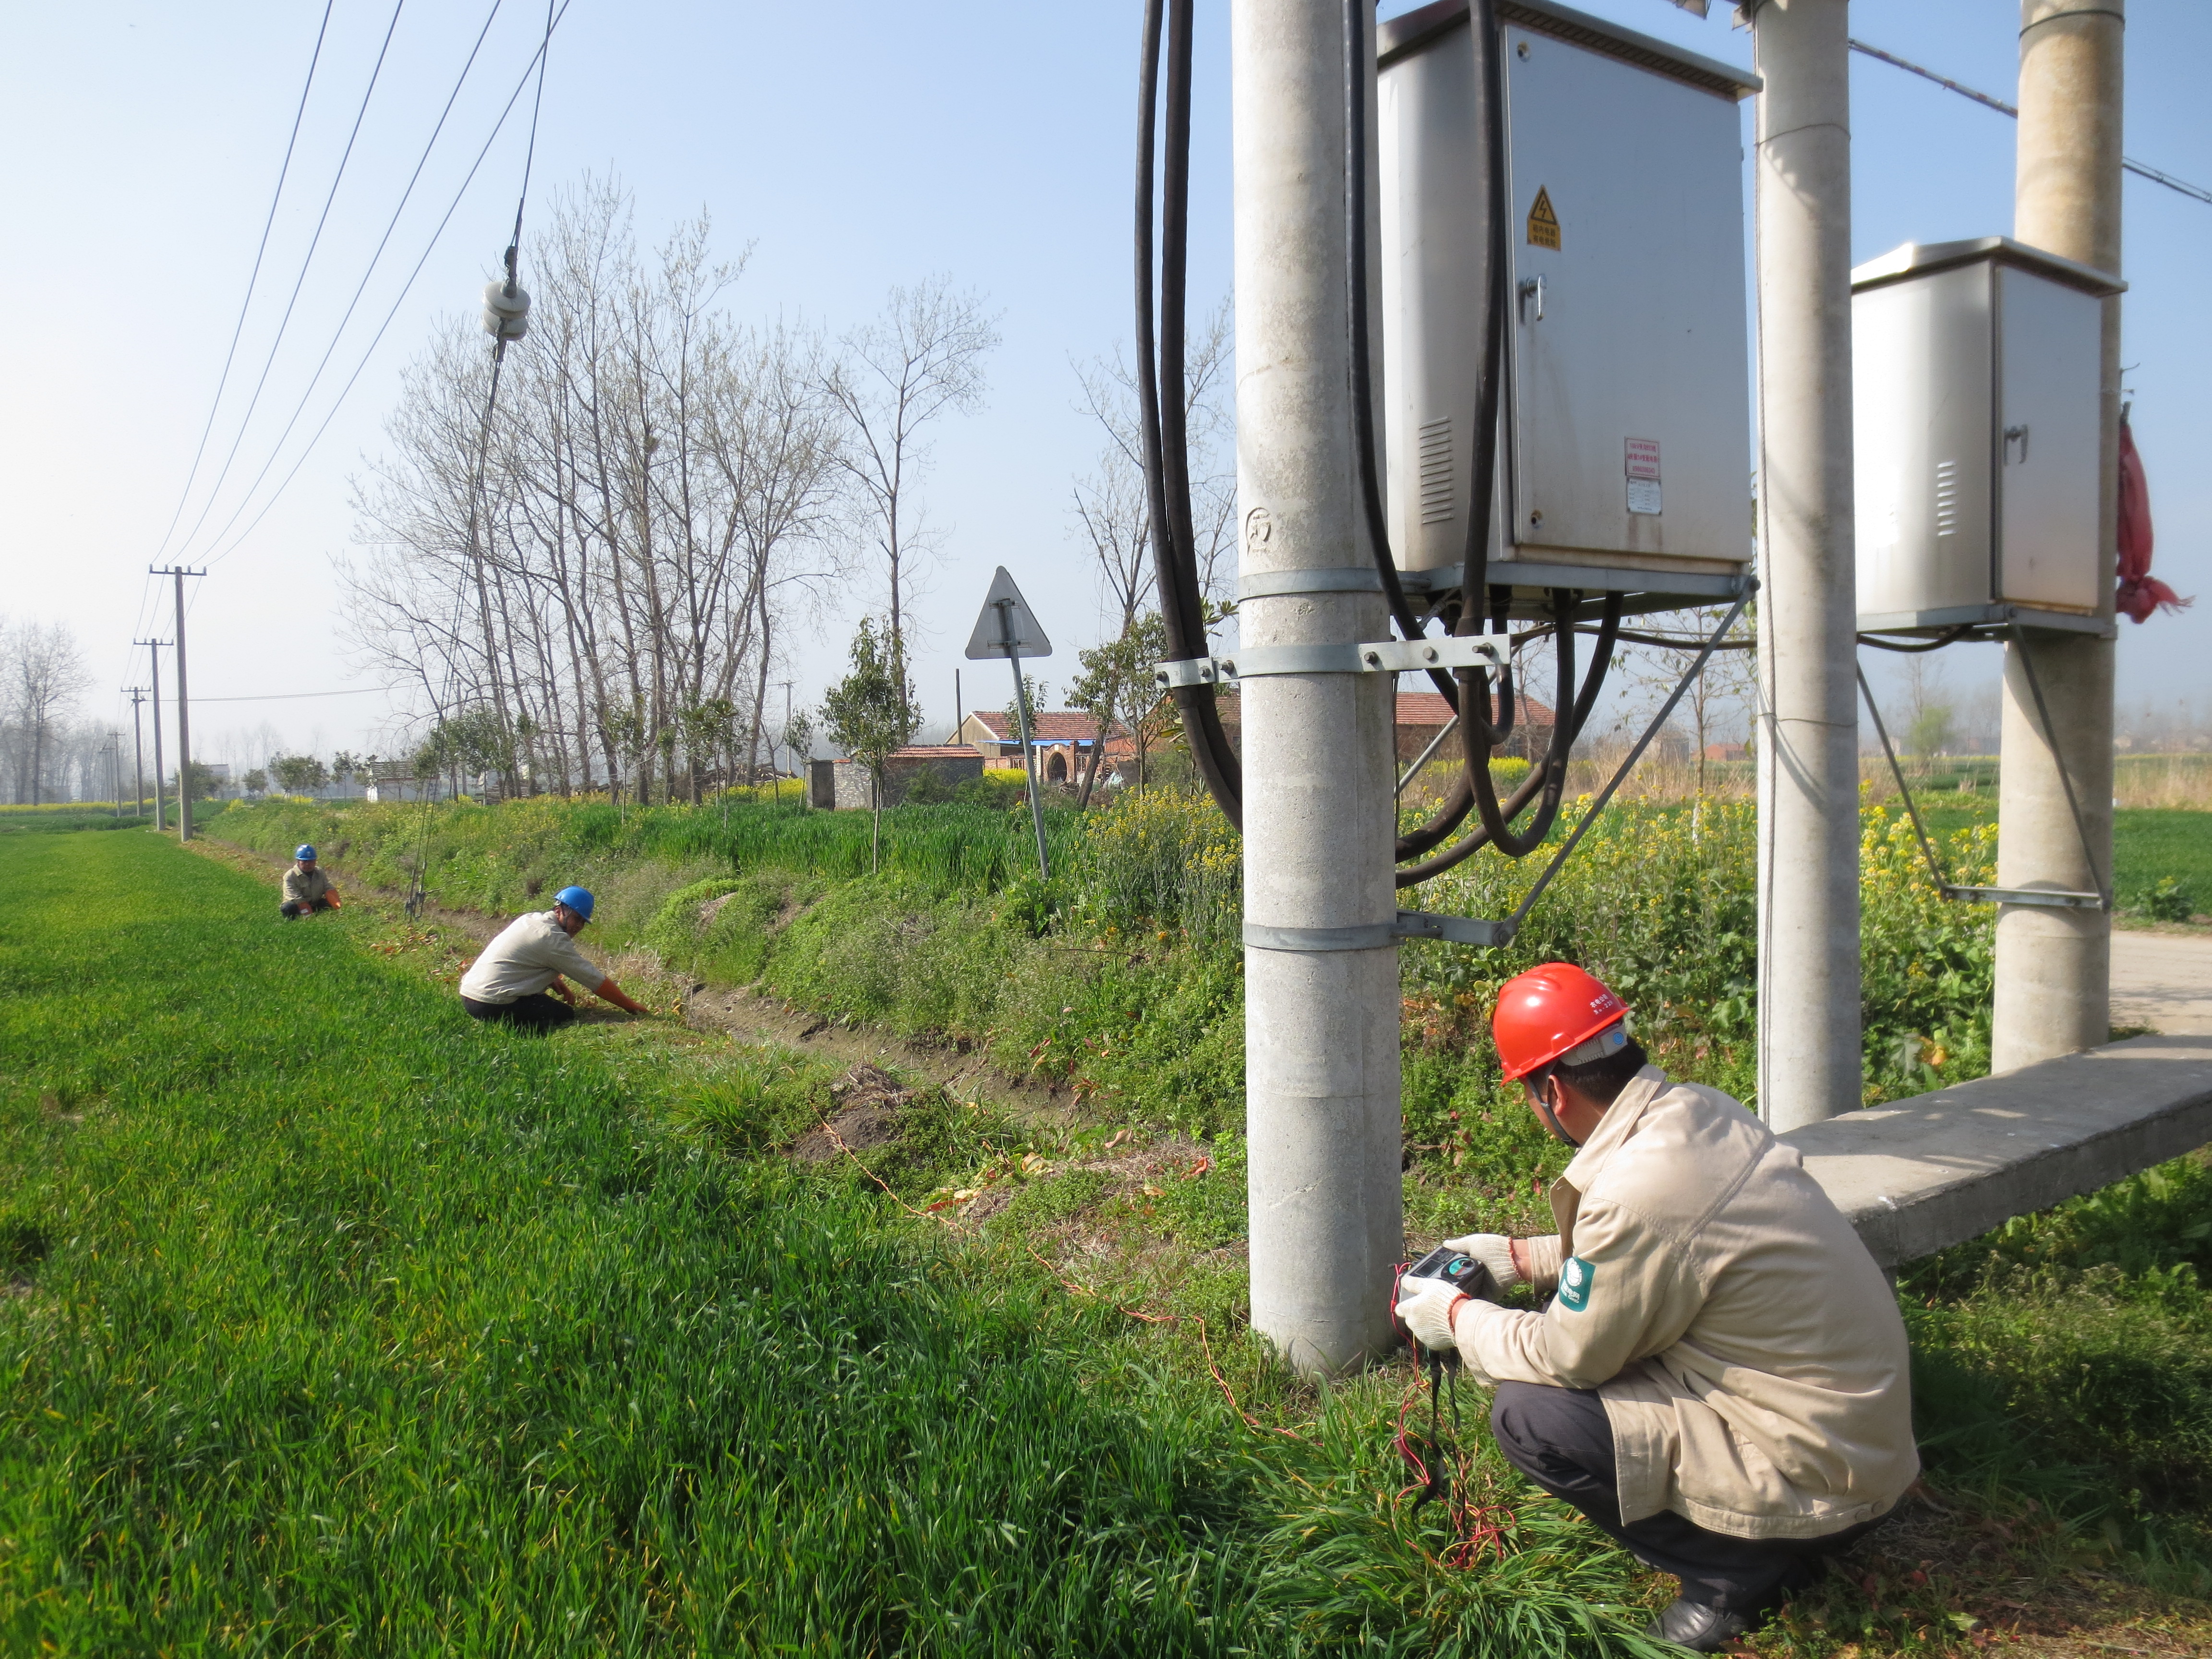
{"type": "Point", "coordinates": [1425, 1307]}
{"type": "Point", "coordinates": [1495, 1252]}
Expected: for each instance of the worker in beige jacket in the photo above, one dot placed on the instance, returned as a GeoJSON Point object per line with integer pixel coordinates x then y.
{"type": "Point", "coordinates": [1720, 1379]}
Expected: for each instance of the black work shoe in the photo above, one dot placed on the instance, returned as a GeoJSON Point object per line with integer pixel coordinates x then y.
{"type": "Point", "coordinates": [1701, 1630]}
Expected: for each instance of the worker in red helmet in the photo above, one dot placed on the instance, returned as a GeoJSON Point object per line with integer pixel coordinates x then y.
{"type": "Point", "coordinates": [1720, 1378]}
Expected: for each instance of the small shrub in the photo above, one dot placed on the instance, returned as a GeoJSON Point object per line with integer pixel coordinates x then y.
{"type": "Point", "coordinates": [2164, 900]}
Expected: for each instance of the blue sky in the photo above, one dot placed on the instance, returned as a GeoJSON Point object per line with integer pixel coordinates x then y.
{"type": "Point", "coordinates": [991, 142]}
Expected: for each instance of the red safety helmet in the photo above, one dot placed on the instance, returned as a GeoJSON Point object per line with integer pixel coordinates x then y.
{"type": "Point", "coordinates": [1546, 1011]}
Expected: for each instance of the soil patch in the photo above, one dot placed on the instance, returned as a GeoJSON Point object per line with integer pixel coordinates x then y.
{"type": "Point", "coordinates": [868, 1100]}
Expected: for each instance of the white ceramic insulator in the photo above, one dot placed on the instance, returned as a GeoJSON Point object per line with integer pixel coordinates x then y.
{"type": "Point", "coordinates": [506, 317]}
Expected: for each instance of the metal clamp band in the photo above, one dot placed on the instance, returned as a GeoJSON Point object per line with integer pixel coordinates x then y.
{"type": "Point", "coordinates": [1377, 935]}
{"type": "Point", "coordinates": [1365, 936]}
{"type": "Point", "coordinates": [2048, 897]}
{"type": "Point", "coordinates": [1283, 584]}
{"type": "Point", "coordinates": [1380, 657]}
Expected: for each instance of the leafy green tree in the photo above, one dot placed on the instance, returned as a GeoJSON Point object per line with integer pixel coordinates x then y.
{"type": "Point", "coordinates": [799, 737]}
{"type": "Point", "coordinates": [1115, 687]}
{"type": "Point", "coordinates": [345, 767]}
{"type": "Point", "coordinates": [871, 713]}
{"type": "Point", "coordinates": [297, 774]}
{"type": "Point", "coordinates": [256, 782]}
{"type": "Point", "coordinates": [204, 782]}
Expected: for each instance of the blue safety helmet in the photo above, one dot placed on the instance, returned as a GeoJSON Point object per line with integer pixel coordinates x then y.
{"type": "Point", "coordinates": [578, 899]}
{"type": "Point", "coordinates": [306, 852]}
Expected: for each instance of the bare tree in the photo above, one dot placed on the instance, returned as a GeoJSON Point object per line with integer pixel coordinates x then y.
{"type": "Point", "coordinates": [1112, 509]}
{"type": "Point", "coordinates": [922, 358]}
{"type": "Point", "coordinates": [45, 675]}
{"type": "Point", "coordinates": [658, 483]}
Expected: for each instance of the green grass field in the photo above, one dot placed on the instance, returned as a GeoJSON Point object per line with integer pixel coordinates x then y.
{"type": "Point", "coordinates": [337, 1323]}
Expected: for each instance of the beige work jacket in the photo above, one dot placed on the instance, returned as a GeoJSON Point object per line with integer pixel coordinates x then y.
{"type": "Point", "coordinates": [305, 886]}
{"type": "Point", "coordinates": [1748, 1349]}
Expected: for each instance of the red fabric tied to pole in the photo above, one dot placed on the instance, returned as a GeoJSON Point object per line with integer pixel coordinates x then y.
{"type": "Point", "coordinates": [2140, 592]}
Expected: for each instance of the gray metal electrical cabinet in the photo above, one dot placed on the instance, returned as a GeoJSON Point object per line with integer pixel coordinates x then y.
{"type": "Point", "coordinates": [1626, 459]}
{"type": "Point", "coordinates": [1974, 372]}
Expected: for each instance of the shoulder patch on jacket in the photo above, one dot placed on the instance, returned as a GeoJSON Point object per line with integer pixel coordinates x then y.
{"type": "Point", "coordinates": [1575, 1277]}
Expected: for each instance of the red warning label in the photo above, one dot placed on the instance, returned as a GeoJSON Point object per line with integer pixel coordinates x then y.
{"type": "Point", "coordinates": [1643, 457]}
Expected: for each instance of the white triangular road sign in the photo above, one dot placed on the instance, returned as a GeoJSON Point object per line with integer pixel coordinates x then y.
{"type": "Point", "coordinates": [1007, 628]}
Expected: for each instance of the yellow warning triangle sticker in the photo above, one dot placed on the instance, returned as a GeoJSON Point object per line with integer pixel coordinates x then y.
{"type": "Point", "coordinates": [1543, 223]}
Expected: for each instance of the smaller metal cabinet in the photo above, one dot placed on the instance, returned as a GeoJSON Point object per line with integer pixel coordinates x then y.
{"type": "Point", "coordinates": [1974, 372]}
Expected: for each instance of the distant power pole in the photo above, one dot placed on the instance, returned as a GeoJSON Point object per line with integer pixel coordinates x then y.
{"type": "Point", "coordinates": [178, 572]}
{"type": "Point", "coordinates": [137, 755]}
{"type": "Point", "coordinates": [153, 652]}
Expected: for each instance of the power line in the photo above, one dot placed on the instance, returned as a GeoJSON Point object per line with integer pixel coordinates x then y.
{"type": "Point", "coordinates": [292, 697]}
{"type": "Point", "coordinates": [300, 282]}
{"type": "Point", "coordinates": [2141, 169]}
{"type": "Point", "coordinates": [239, 328]}
{"type": "Point", "coordinates": [452, 207]}
{"type": "Point", "coordinates": [338, 333]}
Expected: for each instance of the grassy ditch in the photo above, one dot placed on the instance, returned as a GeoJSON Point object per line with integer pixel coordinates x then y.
{"type": "Point", "coordinates": [335, 1321]}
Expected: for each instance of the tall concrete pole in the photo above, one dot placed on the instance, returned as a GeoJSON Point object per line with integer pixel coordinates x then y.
{"type": "Point", "coordinates": [184, 719]}
{"type": "Point", "coordinates": [154, 655]}
{"type": "Point", "coordinates": [1808, 874]}
{"type": "Point", "coordinates": [1320, 995]}
{"type": "Point", "coordinates": [2054, 967]}
{"type": "Point", "coordinates": [137, 755]}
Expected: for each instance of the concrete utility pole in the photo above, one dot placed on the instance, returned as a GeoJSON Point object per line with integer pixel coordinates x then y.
{"type": "Point", "coordinates": [137, 755]}
{"type": "Point", "coordinates": [153, 655]}
{"type": "Point", "coordinates": [2054, 966]}
{"type": "Point", "coordinates": [184, 710]}
{"type": "Point", "coordinates": [1321, 966]}
{"type": "Point", "coordinates": [1809, 775]}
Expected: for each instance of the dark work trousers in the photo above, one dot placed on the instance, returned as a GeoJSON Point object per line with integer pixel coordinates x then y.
{"type": "Point", "coordinates": [293, 909]}
{"type": "Point", "coordinates": [539, 1013]}
{"type": "Point", "coordinates": [1561, 1439]}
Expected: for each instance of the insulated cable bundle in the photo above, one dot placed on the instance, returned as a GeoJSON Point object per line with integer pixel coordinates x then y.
{"type": "Point", "coordinates": [1483, 724]}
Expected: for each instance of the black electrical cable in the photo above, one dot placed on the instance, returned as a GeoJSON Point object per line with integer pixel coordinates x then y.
{"type": "Point", "coordinates": [238, 329]}
{"type": "Point", "coordinates": [1160, 412]}
{"type": "Point", "coordinates": [1356, 59]}
{"type": "Point", "coordinates": [1585, 702]}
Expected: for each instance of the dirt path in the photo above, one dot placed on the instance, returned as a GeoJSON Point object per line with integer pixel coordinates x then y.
{"type": "Point", "coordinates": [2163, 980]}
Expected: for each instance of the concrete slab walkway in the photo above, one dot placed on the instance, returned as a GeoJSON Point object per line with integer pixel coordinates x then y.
{"type": "Point", "coordinates": [1940, 1168]}
{"type": "Point", "coordinates": [2163, 980]}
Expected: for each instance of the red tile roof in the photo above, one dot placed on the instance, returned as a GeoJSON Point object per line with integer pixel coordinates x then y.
{"type": "Point", "coordinates": [1046, 726]}
{"type": "Point", "coordinates": [1429, 708]}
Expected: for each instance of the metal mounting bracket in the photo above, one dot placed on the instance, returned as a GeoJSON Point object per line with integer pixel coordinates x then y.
{"type": "Point", "coordinates": [1380, 657]}
{"type": "Point", "coordinates": [2049, 898]}
{"type": "Point", "coordinates": [1380, 935]}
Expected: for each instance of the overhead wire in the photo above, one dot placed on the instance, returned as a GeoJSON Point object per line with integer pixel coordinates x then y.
{"type": "Point", "coordinates": [2128, 164]}
{"type": "Point", "coordinates": [308, 260]}
{"type": "Point", "coordinates": [338, 333]}
{"type": "Point", "coordinates": [238, 329]}
{"type": "Point", "coordinates": [399, 300]}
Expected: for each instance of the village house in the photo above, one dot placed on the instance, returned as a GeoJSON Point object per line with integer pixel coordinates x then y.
{"type": "Point", "coordinates": [1063, 739]}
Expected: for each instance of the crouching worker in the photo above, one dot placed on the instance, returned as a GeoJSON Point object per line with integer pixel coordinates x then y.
{"type": "Point", "coordinates": [306, 888]}
{"type": "Point", "coordinates": [508, 981]}
{"type": "Point", "coordinates": [1720, 1381]}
